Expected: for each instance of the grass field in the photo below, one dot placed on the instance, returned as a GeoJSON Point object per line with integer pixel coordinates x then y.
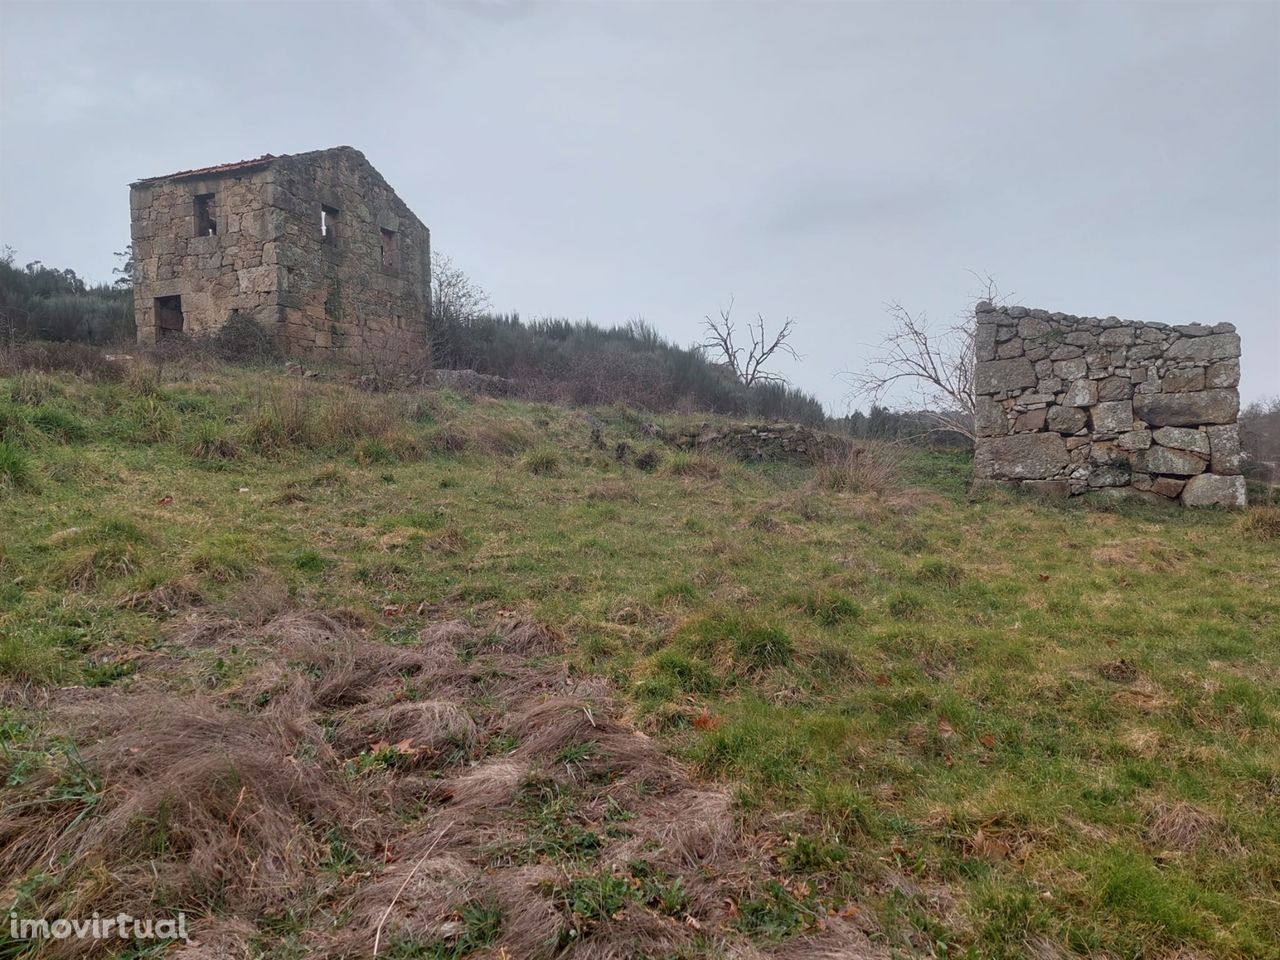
{"type": "Point", "coordinates": [903, 721]}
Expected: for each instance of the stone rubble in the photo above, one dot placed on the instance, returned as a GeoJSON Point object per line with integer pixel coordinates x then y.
{"type": "Point", "coordinates": [1070, 404]}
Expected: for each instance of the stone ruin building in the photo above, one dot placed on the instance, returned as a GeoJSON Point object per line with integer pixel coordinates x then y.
{"type": "Point", "coordinates": [315, 247]}
{"type": "Point", "coordinates": [1068, 405]}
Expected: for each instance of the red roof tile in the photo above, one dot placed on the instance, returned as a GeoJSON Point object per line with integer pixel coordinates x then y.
{"type": "Point", "coordinates": [221, 168]}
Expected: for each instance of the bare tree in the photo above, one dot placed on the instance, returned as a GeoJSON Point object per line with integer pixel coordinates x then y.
{"type": "Point", "coordinates": [456, 301]}
{"type": "Point", "coordinates": [934, 365]}
{"type": "Point", "coordinates": [749, 371]}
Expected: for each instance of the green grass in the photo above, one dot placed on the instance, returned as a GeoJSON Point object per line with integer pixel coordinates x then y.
{"type": "Point", "coordinates": [927, 690]}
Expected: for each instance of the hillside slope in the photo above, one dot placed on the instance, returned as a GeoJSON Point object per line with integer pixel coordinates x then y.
{"type": "Point", "coordinates": [445, 675]}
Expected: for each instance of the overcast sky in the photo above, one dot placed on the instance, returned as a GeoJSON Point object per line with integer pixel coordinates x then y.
{"type": "Point", "coordinates": [616, 160]}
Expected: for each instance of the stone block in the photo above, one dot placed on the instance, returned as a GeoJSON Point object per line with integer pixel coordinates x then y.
{"type": "Point", "coordinates": [1066, 419]}
{"type": "Point", "coordinates": [1116, 337]}
{"type": "Point", "coordinates": [1114, 416]}
{"type": "Point", "coordinates": [1134, 440]}
{"type": "Point", "coordinates": [998, 376]}
{"type": "Point", "coordinates": [1111, 475]}
{"type": "Point", "coordinates": [1187, 409]}
{"type": "Point", "coordinates": [1214, 346]}
{"type": "Point", "coordinates": [1212, 490]}
{"type": "Point", "coordinates": [1115, 388]}
{"type": "Point", "coordinates": [1179, 463]}
{"type": "Point", "coordinates": [1010, 348]}
{"type": "Point", "coordinates": [1081, 393]}
{"type": "Point", "coordinates": [1182, 438]}
{"type": "Point", "coordinates": [1224, 449]}
{"type": "Point", "coordinates": [989, 418]}
{"type": "Point", "coordinates": [1224, 373]}
{"type": "Point", "coordinates": [1030, 421]}
{"type": "Point", "coordinates": [1182, 381]}
{"type": "Point", "coordinates": [1027, 456]}
{"type": "Point", "coordinates": [1072, 369]}
{"type": "Point", "coordinates": [1030, 327]}
{"type": "Point", "coordinates": [984, 343]}
{"type": "Point", "coordinates": [1167, 486]}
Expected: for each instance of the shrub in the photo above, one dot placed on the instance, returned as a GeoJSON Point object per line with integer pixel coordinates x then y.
{"type": "Point", "coordinates": [871, 468]}
{"type": "Point", "coordinates": [649, 461]}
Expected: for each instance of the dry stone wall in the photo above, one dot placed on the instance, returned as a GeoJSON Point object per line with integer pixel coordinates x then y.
{"type": "Point", "coordinates": [1072, 404]}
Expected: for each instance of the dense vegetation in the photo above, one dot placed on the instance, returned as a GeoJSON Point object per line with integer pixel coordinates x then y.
{"type": "Point", "coordinates": [979, 726]}
{"type": "Point", "coordinates": [52, 304]}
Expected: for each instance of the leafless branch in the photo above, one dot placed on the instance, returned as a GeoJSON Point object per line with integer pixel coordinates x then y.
{"type": "Point", "coordinates": [935, 366]}
{"type": "Point", "coordinates": [749, 371]}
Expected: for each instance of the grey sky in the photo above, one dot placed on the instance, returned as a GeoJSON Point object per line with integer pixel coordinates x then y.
{"type": "Point", "coordinates": [612, 160]}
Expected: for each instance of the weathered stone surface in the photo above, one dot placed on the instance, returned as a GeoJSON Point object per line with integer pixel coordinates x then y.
{"type": "Point", "coordinates": [1081, 393]}
{"type": "Point", "coordinates": [1215, 346]}
{"type": "Point", "coordinates": [1180, 463]}
{"type": "Point", "coordinates": [1187, 409]}
{"type": "Point", "coordinates": [1134, 440]}
{"type": "Point", "coordinates": [1224, 447]}
{"type": "Point", "coordinates": [1066, 419]}
{"type": "Point", "coordinates": [1111, 475]}
{"type": "Point", "coordinates": [1181, 381]}
{"type": "Point", "coordinates": [1027, 456]}
{"type": "Point", "coordinates": [989, 419]}
{"type": "Point", "coordinates": [1032, 327]}
{"type": "Point", "coordinates": [984, 344]}
{"type": "Point", "coordinates": [1072, 369]}
{"type": "Point", "coordinates": [1183, 438]}
{"type": "Point", "coordinates": [1224, 373]}
{"type": "Point", "coordinates": [1167, 486]}
{"type": "Point", "coordinates": [1116, 337]}
{"type": "Point", "coordinates": [996, 376]}
{"type": "Point", "coordinates": [1115, 388]}
{"type": "Point", "coordinates": [1114, 416]}
{"type": "Point", "coordinates": [1211, 490]}
{"type": "Point", "coordinates": [1010, 348]}
{"type": "Point", "coordinates": [1030, 421]}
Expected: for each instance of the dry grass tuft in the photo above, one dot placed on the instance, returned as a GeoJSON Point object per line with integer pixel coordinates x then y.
{"type": "Point", "coordinates": [1261, 523]}
{"type": "Point", "coordinates": [1182, 826]}
{"type": "Point", "coordinates": [870, 468]}
{"type": "Point", "coordinates": [200, 800]}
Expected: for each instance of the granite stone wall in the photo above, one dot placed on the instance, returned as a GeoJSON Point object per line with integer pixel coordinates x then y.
{"type": "Point", "coordinates": [316, 248]}
{"type": "Point", "coordinates": [1071, 404]}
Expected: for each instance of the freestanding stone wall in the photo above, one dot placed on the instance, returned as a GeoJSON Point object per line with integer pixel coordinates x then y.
{"type": "Point", "coordinates": [1072, 404]}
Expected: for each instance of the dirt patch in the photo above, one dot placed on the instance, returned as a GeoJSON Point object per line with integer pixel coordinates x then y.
{"type": "Point", "coordinates": [461, 796]}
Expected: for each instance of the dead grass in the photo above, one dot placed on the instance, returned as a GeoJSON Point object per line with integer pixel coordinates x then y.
{"type": "Point", "coordinates": [243, 798]}
{"type": "Point", "coordinates": [1261, 523]}
{"type": "Point", "coordinates": [868, 468]}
